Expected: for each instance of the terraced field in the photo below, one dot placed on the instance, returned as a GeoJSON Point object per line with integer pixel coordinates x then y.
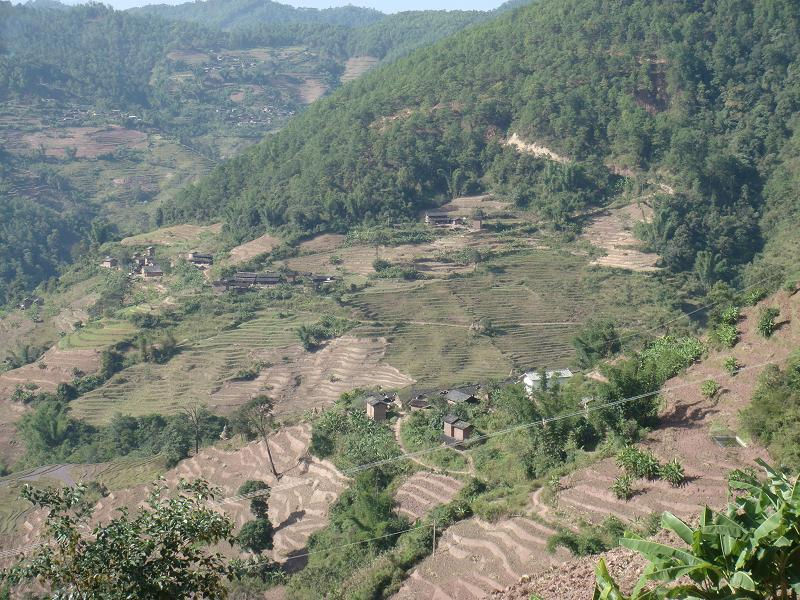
{"type": "Point", "coordinates": [475, 558]}
{"type": "Point", "coordinates": [298, 503]}
{"type": "Point", "coordinates": [534, 303]}
{"type": "Point", "coordinates": [97, 335]}
{"type": "Point", "coordinates": [424, 491]}
{"type": "Point", "coordinates": [192, 376]}
{"type": "Point", "coordinates": [299, 380]}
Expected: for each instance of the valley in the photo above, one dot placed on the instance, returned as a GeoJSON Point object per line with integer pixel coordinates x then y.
{"type": "Point", "coordinates": [433, 304]}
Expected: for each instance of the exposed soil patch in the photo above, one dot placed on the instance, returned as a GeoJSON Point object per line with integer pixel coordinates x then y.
{"type": "Point", "coordinates": [613, 232]}
{"type": "Point", "coordinates": [535, 149]}
{"type": "Point", "coordinates": [89, 142]}
{"type": "Point", "coordinates": [172, 236]}
{"type": "Point", "coordinates": [322, 243]}
{"type": "Point", "coordinates": [475, 558]}
{"type": "Point", "coordinates": [299, 380]}
{"type": "Point", "coordinates": [253, 248]}
{"type": "Point", "coordinates": [424, 491]}
{"type": "Point", "coordinates": [465, 205]}
{"type": "Point", "coordinates": [311, 90]}
{"type": "Point", "coordinates": [356, 66]}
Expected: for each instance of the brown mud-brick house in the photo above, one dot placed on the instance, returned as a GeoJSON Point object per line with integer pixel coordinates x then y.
{"type": "Point", "coordinates": [376, 408]}
{"type": "Point", "coordinates": [419, 403]}
{"type": "Point", "coordinates": [456, 429]}
{"type": "Point", "coordinates": [109, 262]}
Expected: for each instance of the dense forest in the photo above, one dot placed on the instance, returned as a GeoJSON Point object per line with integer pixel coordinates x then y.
{"type": "Point", "coordinates": [699, 95]}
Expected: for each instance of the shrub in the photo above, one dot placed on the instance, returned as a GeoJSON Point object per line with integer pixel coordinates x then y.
{"type": "Point", "coordinates": [623, 487]}
{"type": "Point", "coordinates": [726, 334]}
{"type": "Point", "coordinates": [730, 316]}
{"type": "Point", "coordinates": [731, 365]}
{"type": "Point", "coordinates": [755, 296]}
{"type": "Point", "coordinates": [766, 321]}
{"type": "Point", "coordinates": [641, 464]}
{"type": "Point", "coordinates": [258, 505]}
{"type": "Point", "coordinates": [709, 388]}
{"type": "Point", "coordinates": [672, 472]}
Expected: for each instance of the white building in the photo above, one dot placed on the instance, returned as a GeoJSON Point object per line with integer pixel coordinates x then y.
{"type": "Point", "coordinates": [533, 379]}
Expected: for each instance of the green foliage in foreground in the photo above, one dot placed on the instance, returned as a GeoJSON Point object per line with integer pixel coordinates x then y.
{"type": "Point", "coordinates": [773, 417]}
{"type": "Point", "coordinates": [750, 550]}
{"type": "Point", "coordinates": [162, 551]}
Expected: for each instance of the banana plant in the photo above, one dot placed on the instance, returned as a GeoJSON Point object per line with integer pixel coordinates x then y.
{"type": "Point", "coordinates": [750, 550]}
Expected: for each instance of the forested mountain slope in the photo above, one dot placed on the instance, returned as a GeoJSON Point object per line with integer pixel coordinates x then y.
{"type": "Point", "coordinates": [78, 83]}
{"type": "Point", "coordinates": [700, 96]}
{"type": "Point", "coordinates": [232, 13]}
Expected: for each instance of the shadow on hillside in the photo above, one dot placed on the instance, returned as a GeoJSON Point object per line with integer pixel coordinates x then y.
{"type": "Point", "coordinates": [291, 519]}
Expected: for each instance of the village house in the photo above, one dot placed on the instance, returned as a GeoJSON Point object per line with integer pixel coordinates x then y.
{"type": "Point", "coordinates": [376, 408]}
{"type": "Point", "coordinates": [418, 403]}
{"type": "Point", "coordinates": [30, 301]}
{"type": "Point", "coordinates": [199, 259]}
{"type": "Point", "coordinates": [460, 396]}
{"type": "Point", "coordinates": [152, 270]}
{"type": "Point", "coordinates": [442, 219]}
{"type": "Point", "coordinates": [109, 262]}
{"type": "Point", "coordinates": [456, 429]}
{"type": "Point", "coordinates": [533, 379]}
{"type": "Point", "coordinates": [320, 279]}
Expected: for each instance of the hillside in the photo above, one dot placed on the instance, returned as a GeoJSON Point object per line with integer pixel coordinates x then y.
{"type": "Point", "coordinates": [124, 109]}
{"type": "Point", "coordinates": [673, 93]}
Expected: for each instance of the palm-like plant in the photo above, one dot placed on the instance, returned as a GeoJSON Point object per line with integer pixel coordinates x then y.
{"type": "Point", "coordinates": [751, 550]}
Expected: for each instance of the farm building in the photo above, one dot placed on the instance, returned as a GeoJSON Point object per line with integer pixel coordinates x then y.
{"type": "Point", "coordinates": [376, 408]}
{"type": "Point", "coordinates": [419, 403]}
{"type": "Point", "coordinates": [533, 379]}
{"type": "Point", "coordinates": [456, 429]}
{"type": "Point", "coordinates": [320, 279]}
{"type": "Point", "coordinates": [30, 301]}
{"type": "Point", "coordinates": [199, 259]}
{"type": "Point", "coordinates": [460, 396]}
{"type": "Point", "coordinates": [109, 262]}
{"type": "Point", "coordinates": [151, 271]}
{"type": "Point", "coordinates": [244, 280]}
{"type": "Point", "coordinates": [442, 219]}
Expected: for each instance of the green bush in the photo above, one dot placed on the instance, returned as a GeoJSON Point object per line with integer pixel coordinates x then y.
{"type": "Point", "coordinates": [755, 296]}
{"type": "Point", "coordinates": [731, 365]}
{"type": "Point", "coordinates": [730, 316]}
{"type": "Point", "coordinates": [709, 388]}
{"type": "Point", "coordinates": [590, 539]}
{"type": "Point", "coordinates": [623, 487]}
{"type": "Point", "coordinates": [726, 334]}
{"type": "Point", "coordinates": [259, 505]}
{"type": "Point", "coordinates": [672, 473]}
{"type": "Point", "coordinates": [641, 464]}
{"type": "Point", "coordinates": [766, 321]}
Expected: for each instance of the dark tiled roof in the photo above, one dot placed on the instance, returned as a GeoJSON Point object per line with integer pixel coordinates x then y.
{"type": "Point", "coordinates": [461, 425]}
{"type": "Point", "coordinates": [450, 419]}
{"type": "Point", "coordinates": [458, 396]}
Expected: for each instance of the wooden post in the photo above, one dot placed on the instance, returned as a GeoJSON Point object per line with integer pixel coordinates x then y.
{"type": "Point", "coordinates": [433, 546]}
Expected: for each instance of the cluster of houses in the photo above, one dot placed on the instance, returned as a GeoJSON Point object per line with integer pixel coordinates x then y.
{"type": "Point", "coordinates": [456, 430]}
{"type": "Point", "coordinates": [142, 265]}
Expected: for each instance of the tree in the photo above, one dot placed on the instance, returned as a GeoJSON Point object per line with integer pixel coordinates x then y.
{"type": "Point", "coordinates": [258, 504]}
{"type": "Point", "coordinates": [256, 535]}
{"type": "Point", "coordinates": [594, 341]}
{"type": "Point", "coordinates": [196, 415]}
{"type": "Point", "coordinates": [161, 552]}
{"type": "Point", "coordinates": [255, 419]}
{"type": "Point", "coordinates": [749, 550]}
